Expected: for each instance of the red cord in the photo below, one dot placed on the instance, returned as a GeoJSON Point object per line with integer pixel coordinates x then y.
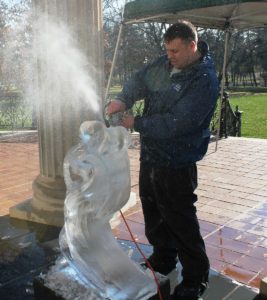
{"type": "Point", "coordinates": [141, 252]}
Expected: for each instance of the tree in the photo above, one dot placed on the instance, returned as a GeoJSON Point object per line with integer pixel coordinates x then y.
{"type": "Point", "coordinates": [261, 53]}
{"type": "Point", "coordinates": [15, 31]}
{"type": "Point", "coordinates": [3, 30]}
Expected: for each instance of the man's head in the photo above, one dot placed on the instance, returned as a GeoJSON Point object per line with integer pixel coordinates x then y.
{"type": "Point", "coordinates": [181, 44]}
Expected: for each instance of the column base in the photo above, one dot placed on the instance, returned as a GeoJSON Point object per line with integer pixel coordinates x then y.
{"type": "Point", "coordinates": [26, 211]}
{"type": "Point", "coordinates": [30, 211]}
{"type": "Point", "coordinates": [47, 204]}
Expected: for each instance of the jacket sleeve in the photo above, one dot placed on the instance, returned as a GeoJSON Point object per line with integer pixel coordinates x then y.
{"type": "Point", "coordinates": [189, 114]}
{"type": "Point", "coordinates": [134, 89]}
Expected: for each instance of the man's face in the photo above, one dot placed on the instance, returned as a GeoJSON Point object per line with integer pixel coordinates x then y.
{"type": "Point", "coordinates": [180, 53]}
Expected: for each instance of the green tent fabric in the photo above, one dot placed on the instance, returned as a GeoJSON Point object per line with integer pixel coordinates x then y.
{"type": "Point", "coordinates": [220, 14]}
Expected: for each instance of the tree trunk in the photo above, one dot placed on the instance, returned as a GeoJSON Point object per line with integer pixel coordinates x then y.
{"type": "Point", "coordinates": [254, 77]}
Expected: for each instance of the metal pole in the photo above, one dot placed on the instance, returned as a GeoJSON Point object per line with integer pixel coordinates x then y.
{"type": "Point", "coordinates": [114, 59]}
{"type": "Point", "coordinates": [227, 34]}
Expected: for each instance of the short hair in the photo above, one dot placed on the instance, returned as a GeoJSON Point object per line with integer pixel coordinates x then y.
{"type": "Point", "coordinates": [183, 30]}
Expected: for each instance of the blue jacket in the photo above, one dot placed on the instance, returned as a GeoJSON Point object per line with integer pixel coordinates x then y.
{"type": "Point", "coordinates": [174, 127]}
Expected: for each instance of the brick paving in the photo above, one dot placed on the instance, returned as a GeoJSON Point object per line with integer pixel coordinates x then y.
{"type": "Point", "coordinates": [232, 206]}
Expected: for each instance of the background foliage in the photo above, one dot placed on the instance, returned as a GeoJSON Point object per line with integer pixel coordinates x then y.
{"type": "Point", "coordinates": [140, 44]}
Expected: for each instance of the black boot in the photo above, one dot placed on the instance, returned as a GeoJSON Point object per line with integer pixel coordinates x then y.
{"type": "Point", "coordinates": [161, 264]}
{"type": "Point", "coordinates": [187, 291]}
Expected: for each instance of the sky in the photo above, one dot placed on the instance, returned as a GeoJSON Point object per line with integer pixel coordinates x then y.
{"type": "Point", "coordinates": [10, 2]}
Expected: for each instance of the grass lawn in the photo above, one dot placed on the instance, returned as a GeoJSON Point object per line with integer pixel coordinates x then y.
{"type": "Point", "coordinates": [254, 117]}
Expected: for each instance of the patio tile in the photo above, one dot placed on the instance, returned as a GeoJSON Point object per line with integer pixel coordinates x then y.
{"type": "Point", "coordinates": [225, 186]}
{"type": "Point", "coordinates": [242, 226]}
{"type": "Point", "coordinates": [228, 232]}
{"type": "Point", "coordinates": [204, 232]}
{"type": "Point", "coordinates": [209, 227]}
{"type": "Point", "coordinates": [259, 252]}
{"type": "Point", "coordinates": [217, 265]}
{"type": "Point", "coordinates": [239, 194]}
{"type": "Point", "coordinates": [239, 274]}
{"type": "Point", "coordinates": [263, 243]}
{"type": "Point", "coordinates": [230, 206]}
{"type": "Point", "coordinates": [255, 282]}
{"type": "Point", "coordinates": [256, 197]}
{"type": "Point", "coordinates": [202, 199]}
{"type": "Point", "coordinates": [259, 212]}
{"type": "Point", "coordinates": [262, 222]}
{"type": "Point", "coordinates": [135, 216]}
{"type": "Point", "coordinates": [245, 189]}
{"type": "Point", "coordinates": [222, 254]}
{"type": "Point", "coordinates": [249, 238]}
{"type": "Point", "coordinates": [228, 213]}
{"type": "Point", "coordinates": [259, 230]}
{"type": "Point", "coordinates": [229, 179]}
{"type": "Point", "coordinates": [252, 175]}
{"type": "Point", "coordinates": [232, 192]}
{"type": "Point", "coordinates": [251, 264]}
{"type": "Point", "coordinates": [241, 201]}
{"type": "Point", "coordinates": [216, 219]}
{"type": "Point", "coordinates": [121, 233]}
{"type": "Point", "coordinates": [142, 239]}
{"type": "Point", "coordinates": [249, 218]}
{"type": "Point", "coordinates": [261, 192]}
{"type": "Point", "coordinates": [221, 242]}
{"type": "Point", "coordinates": [241, 180]}
{"type": "Point", "coordinates": [259, 171]}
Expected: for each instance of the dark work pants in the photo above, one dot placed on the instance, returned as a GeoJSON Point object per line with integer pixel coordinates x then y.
{"type": "Point", "coordinates": [171, 224]}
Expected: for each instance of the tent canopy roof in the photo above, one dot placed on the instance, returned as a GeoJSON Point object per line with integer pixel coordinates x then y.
{"type": "Point", "coordinates": [219, 14]}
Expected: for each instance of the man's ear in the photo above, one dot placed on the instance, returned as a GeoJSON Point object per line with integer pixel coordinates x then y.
{"type": "Point", "coordinates": [193, 46]}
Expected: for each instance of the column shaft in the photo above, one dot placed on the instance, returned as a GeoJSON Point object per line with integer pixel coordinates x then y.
{"type": "Point", "coordinates": [61, 112]}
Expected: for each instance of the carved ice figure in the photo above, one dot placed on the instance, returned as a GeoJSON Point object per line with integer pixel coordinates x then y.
{"type": "Point", "coordinates": [97, 177]}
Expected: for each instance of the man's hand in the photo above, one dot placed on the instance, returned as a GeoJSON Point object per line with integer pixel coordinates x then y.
{"type": "Point", "coordinates": [128, 121]}
{"type": "Point", "coordinates": [115, 106]}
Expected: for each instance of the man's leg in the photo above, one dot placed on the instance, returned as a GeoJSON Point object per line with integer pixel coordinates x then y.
{"type": "Point", "coordinates": [175, 191]}
{"type": "Point", "coordinates": [164, 255]}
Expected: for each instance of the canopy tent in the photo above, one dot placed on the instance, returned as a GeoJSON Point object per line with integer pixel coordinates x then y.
{"type": "Point", "coordinates": [225, 15]}
{"type": "Point", "coordinates": [217, 14]}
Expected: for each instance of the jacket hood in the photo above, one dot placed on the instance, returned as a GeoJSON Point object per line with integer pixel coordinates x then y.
{"type": "Point", "coordinates": [205, 62]}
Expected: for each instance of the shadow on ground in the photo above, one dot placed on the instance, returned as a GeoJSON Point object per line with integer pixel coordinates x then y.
{"type": "Point", "coordinates": [26, 250]}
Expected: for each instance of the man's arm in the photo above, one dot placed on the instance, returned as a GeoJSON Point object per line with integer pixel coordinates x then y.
{"type": "Point", "coordinates": [185, 117]}
{"type": "Point", "coordinates": [133, 90]}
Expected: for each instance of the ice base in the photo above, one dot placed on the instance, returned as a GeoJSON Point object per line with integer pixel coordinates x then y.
{"type": "Point", "coordinates": [62, 282]}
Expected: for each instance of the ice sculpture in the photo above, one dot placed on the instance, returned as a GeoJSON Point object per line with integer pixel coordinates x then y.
{"type": "Point", "coordinates": [97, 177]}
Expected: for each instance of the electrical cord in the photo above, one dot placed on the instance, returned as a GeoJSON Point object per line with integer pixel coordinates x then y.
{"type": "Point", "coordinates": [143, 255]}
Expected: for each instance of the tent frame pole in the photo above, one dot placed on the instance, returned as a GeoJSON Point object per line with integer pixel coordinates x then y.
{"type": "Point", "coordinates": [227, 35]}
{"type": "Point", "coordinates": [114, 60]}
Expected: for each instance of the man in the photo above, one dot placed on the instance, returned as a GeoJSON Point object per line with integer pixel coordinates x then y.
{"type": "Point", "coordinates": [180, 91]}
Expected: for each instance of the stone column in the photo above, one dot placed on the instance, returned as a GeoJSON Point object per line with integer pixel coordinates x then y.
{"type": "Point", "coordinates": [58, 127]}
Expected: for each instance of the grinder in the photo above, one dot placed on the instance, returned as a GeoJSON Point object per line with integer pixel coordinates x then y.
{"type": "Point", "coordinates": [114, 119]}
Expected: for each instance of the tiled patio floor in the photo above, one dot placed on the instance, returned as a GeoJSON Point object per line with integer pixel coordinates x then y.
{"type": "Point", "coordinates": [232, 206]}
